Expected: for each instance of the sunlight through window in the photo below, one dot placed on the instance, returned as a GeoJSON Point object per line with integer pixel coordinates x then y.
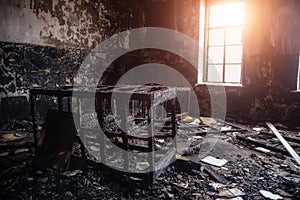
{"type": "Point", "coordinates": [224, 44]}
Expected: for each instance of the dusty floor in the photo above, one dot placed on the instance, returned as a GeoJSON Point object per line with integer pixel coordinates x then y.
{"type": "Point", "coordinates": [248, 173]}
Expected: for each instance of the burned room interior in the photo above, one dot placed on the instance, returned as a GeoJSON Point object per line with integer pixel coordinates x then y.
{"type": "Point", "coordinates": [150, 99]}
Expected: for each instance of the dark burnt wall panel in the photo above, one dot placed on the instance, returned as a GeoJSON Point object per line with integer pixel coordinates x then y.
{"type": "Point", "coordinates": [177, 15]}
{"type": "Point", "coordinates": [145, 56]}
{"type": "Point", "coordinates": [270, 65]}
{"type": "Point", "coordinates": [12, 62]}
{"type": "Point", "coordinates": [26, 65]}
{"type": "Point", "coordinates": [271, 54]}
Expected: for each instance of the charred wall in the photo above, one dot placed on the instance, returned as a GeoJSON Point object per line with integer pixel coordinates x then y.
{"type": "Point", "coordinates": [44, 42]}
{"type": "Point", "coordinates": [270, 65]}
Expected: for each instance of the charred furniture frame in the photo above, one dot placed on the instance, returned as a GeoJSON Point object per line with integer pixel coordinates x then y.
{"type": "Point", "coordinates": [148, 105]}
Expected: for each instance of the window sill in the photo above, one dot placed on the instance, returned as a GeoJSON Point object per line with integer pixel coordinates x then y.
{"type": "Point", "coordinates": [295, 91]}
{"type": "Point", "coordinates": [222, 84]}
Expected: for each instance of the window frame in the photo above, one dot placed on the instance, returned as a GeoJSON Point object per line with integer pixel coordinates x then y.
{"type": "Point", "coordinates": [203, 61]}
{"type": "Point", "coordinates": [298, 74]}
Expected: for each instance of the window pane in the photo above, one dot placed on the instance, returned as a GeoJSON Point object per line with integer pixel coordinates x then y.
{"type": "Point", "coordinates": [215, 73]}
{"type": "Point", "coordinates": [226, 14]}
{"type": "Point", "coordinates": [234, 54]}
{"type": "Point", "coordinates": [215, 54]}
{"type": "Point", "coordinates": [233, 73]}
{"type": "Point", "coordinates": [216, 37]}
{"type": "Point", "coordinates": [234, 36]}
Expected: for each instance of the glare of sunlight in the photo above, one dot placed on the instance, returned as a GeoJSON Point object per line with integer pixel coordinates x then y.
{"type": "Point", "coordinates": [230, 14]}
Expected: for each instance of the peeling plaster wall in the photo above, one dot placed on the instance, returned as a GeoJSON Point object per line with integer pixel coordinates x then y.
{"type": "Point", "coordinates": [44, 42]}
{"type": "Point", "coordinates": [63, 23]}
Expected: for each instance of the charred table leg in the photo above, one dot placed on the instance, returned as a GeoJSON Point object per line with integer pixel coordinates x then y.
{"type": "Point", "coordinates": [151, 158]}
{"type": "Point", "coordinates": [34, 125]}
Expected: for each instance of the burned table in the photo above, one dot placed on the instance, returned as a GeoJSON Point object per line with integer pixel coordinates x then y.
{"type": "Point", "coordinates": [139, 113]}
{"type": "Point", "coordinates": [147, 106]}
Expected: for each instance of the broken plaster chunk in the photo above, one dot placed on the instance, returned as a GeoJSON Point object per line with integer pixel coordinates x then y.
{"type": "Point", "coordinates": [12, 137]}
{"type": "Point", "coordinates": [30, 179]}
{"type": "Point", "coordinates": [202, 168]}
{"type": "Point", "coordinates": [250, 138]}
{"type": "Point", "coordinates": [292, 166]}
{"type": "Point", "coordinates": [180, 157]}
{"type": "Point", "coordinates": [68, 193]}
{"type": "Point", "coordinates": [161, 141]}
{"type": "Point", "coordinates": [214, 161]}
{"type": "Point", "coordinates": [226, 128]}
{"type": "Point", "coordinates": [283, 193]}
{"type": "Point", "coordinates": [187, 119]}
{"type": "Point", "coordinates": [293, 179]}
{"type": "Point", "coordinates": [39, 172]}
{"type": "Point", "coordinates": [195, 122]}
{"type": "Point", "coordinates": [235, 198]}
{"type": "Point", "coordinates": [21, 150]}
{"type": "Point", "coordinates": [236, 192]}
{"type": "Point", "coordinates": [4, 154]}
{"type": "Point", "coordinates": [197, 137]}
{"type": "Point", "coordinates": [269, 195]}
{"type": "Point", "coordinates": [261, 149]}
{"type": "Point", "coordinates": [182, 185]}
{"type": "Point", "coordinates": [230, 193]}
{"type": "Point", "coordinates": [71, 173]}
{"type": "Point", "coordinates": [208, 120]}
{"type": "Point", "coordinates": [142, 166]}
{"type": "Point", "coordinates": [196, 194]}
{"type": "Point", "coordinates": [257, 129]}
{"type": "Point", "coordinates": [217, 186]}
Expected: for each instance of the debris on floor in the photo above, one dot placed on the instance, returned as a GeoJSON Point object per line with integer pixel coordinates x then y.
{"type": "Point", "coordinates": [221, 163]}
{"type": "Point", "coordinates": [214, 161]}
{"type": "Point", "coordinates": [269, 195]}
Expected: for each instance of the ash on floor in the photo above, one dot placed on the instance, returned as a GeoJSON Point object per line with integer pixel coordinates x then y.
{"type": "Point", "coordinates": [248, 173]}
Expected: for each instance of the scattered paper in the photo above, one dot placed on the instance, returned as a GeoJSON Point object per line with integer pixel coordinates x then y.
{"type": "Point", "coordinates": [269, 195]}
{"type": "Point", "coordinates": [214, 161]}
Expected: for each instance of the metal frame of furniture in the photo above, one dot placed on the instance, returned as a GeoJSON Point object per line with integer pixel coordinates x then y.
{"type": "Point", "coordinates": [148, 97]}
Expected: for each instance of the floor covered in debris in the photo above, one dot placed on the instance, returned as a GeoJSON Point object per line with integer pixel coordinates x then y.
{"type": "Point", "coordinates": [234, 162]}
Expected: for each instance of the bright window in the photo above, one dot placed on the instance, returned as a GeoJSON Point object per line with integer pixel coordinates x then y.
{"type": "Point", "coordinates": [223, 47]}
{"type": "Point", "coordinates": [298, 80]}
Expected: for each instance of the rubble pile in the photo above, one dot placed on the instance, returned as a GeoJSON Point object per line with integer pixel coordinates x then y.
{"type": "Point", "coordinates": [222, 164]}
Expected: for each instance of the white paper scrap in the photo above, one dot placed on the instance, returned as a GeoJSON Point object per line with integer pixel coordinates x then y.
{"type": "Point", "coordinates": [214, 161]}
